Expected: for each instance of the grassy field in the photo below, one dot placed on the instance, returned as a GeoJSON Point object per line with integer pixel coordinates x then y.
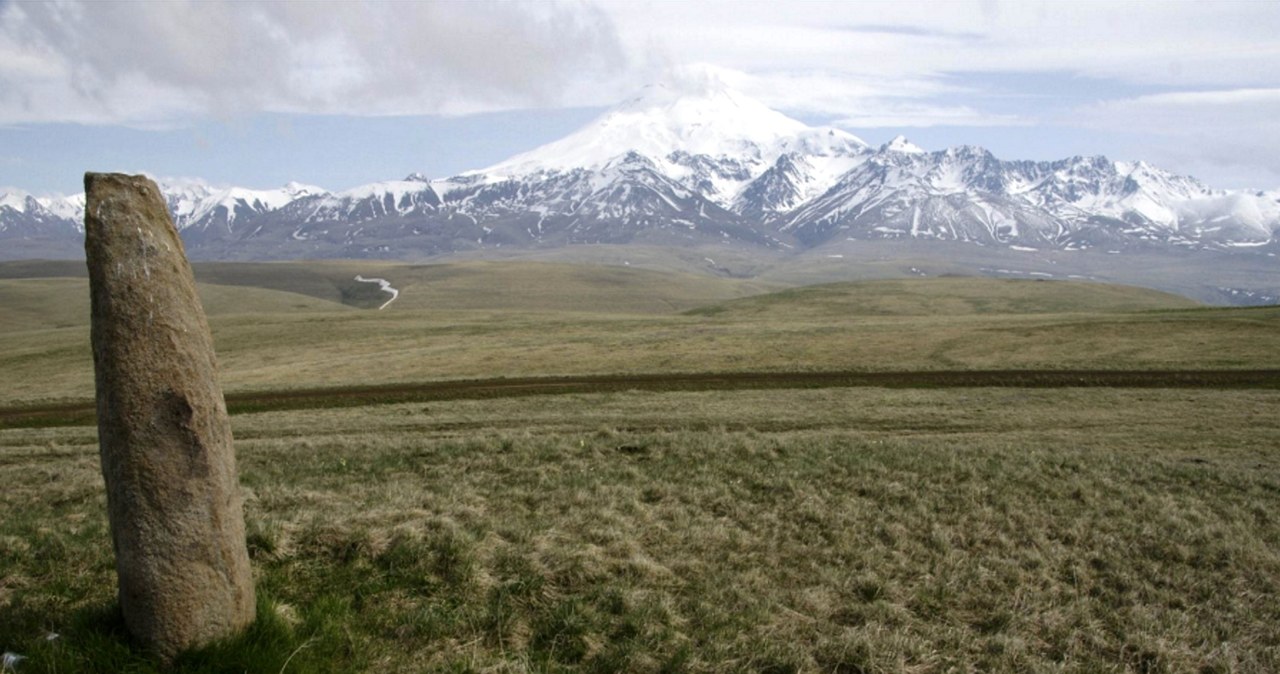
{"type": "Point", "coordinates": [836, 529]}
{"type": "Point", "coordinates": [269, 339]}
{"type": "Point", "coordinates": [847, 530]}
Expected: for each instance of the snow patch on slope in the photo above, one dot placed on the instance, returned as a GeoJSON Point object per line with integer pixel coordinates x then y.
{"type": "Point", "coordinates": [396, 189]}
{"type": "Point", "coordinates": [383, 285]}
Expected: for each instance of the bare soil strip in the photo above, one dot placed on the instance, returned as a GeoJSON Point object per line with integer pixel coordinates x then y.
{"type": "Point", "coordinates": [82, 413]}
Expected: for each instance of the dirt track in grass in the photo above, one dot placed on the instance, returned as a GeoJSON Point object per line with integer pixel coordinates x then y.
{"type": "Point", "coordinates": [82, 413]}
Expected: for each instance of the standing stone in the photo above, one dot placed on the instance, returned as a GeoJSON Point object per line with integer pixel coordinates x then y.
{"type": "Point", "coordinates": [177, 520]}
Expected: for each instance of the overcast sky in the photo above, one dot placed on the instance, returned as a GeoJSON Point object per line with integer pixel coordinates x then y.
{"type": "Point", "coordinates": [338, 94]}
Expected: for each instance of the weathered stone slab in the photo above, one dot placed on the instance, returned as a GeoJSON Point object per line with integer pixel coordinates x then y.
{"type": "Point", "coordinates": [173, 497]}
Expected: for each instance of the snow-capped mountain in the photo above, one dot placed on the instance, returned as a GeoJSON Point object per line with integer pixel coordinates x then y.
{"type": "Point", "coordinates": [24, 217]}
{"type": "Point", "coordinates": [711, 140]}
{"type": "Point", "coordinates": [200, 210]}
{"type": "Point", "coordinates": [668, 166]}
{"type": "Point", "coordinates": [198, 206]}
{"type": "Point", "coordinates": [703, 165]}
{"type": "Point", "coordinates": [966, 194]}
{"type": "Point", "coordinates": [58, 207]}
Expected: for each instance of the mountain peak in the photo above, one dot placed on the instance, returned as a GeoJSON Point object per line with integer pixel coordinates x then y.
{"type": "Point", "coordinates": [684, 82]}
{"type": "Point", "coordinates": [15, 199]}
{"type": "Point", "coordinates": [694, 113]}
{"type": "Point", "coordinates": [302, 189]}
{"type": "Point", "coordinates": [901, 144]}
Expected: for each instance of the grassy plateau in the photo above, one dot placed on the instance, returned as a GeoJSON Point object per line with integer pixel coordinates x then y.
{"type": "Point", "coordinates": [970, 522]}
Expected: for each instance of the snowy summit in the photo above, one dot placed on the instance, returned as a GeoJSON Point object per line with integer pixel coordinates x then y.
{"type": "Point", "coordinates": [901, 144]}
{"type": "Point", "coordinates": [686, 114]}
{"type": "Point", "coordinates": [692, 162]}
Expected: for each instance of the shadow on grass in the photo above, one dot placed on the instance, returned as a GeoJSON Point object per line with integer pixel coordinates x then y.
{"type": "Point", "coordinates": [278, 641]}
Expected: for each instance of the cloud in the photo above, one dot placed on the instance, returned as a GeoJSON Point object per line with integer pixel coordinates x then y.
{"type": "Point", "coordinates": [905, 116]}
{"type": "Point", "coordinates": [1212, 100]}
{"type": "Point", "coordinates": [1055, 66]}
{"type": "Point", "coordinates": [1207, 69]}
{"type": "Point", "coordinates": [928, 63]}
{"type": "Point", "coordinates": [147, 63]}
{"type": "Point", "coordinates": [871, 102]}
{"type": "Point", "coordinates": [1230, 132]}
{"type": "Point", "coordinates": [854, 103]}
{"type": "Point", "coordinates": [142, 63]}
{"type": "Point", "coordinates": [1178, 44]}
{"type": "Point", "coordinates": [917, 31]}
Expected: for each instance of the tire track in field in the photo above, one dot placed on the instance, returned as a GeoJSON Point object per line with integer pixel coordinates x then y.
{"type": "Point", "coordinates": [82, 413]}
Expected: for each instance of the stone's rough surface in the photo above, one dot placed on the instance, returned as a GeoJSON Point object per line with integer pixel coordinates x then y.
{"type": "Point", "coordinates": [173, 498]}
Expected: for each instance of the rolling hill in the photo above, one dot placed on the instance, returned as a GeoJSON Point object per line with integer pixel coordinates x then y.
{"type": "Point", "coordinates": [293, 331]}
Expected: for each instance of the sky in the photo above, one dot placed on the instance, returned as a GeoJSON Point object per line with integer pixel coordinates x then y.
{"type": "Point", "coordinates": [338, 94]}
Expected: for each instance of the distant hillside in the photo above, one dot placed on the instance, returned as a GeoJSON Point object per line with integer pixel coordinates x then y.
{"type": "Point", "coordinates": [948, 297]}
{"type": "Point", "coordinates": [57, 288]}
{"type": "Point", "coordinates": [503, 319]}
{"type": "Point", "coordinates": [45, 303]}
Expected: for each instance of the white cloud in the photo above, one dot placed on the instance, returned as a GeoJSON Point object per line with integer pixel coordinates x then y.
{"type": "Point", "coordinates": [865, 64]}
{"type": "Point", "coordinates": [895, 116]}
{"type": "Point", "coordinates": [1181, 44]}
{"type": "Point", "coordinates": [869, 102]}
{"type": "Point", "coordinates": [1226, 132]}
{"type": "Point", "coordinates": [154, 62]}
{"type": "Point", "coordinates": [1215, 100]}
{"type": "Point", "coordinates": [921, 64]}
{"type": "Point", "coordinates": [150, 62]}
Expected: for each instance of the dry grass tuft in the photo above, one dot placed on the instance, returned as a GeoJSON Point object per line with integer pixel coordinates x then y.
{"type": "Point", "coordinates": [810, 531]}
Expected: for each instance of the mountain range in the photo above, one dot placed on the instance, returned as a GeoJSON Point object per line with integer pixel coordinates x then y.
{"type": "Point", "coordinates": [692, 168]}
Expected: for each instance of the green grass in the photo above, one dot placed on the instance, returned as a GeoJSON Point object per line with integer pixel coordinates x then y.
{"type": "Point", "coordinates": [547, 287]}
{"type": "Point", "coordinates": [270, 339]}
{"type": "Point", "coordinates": [808, 530]}
{"type": "Point", "coordinates": [28, 305]}
{"type": "Point", "coordinates": [280, 639]}
{"type": "Point", "coordinates": [947, 296]}
{"type": "Point", "coordinates": [511, 285]}
{"type": "Point", "coordinates": [839, 530]}
{"type": "Point", "coordinates": [83, 413]}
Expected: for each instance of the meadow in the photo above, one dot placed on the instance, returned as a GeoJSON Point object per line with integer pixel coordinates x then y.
{"type": "Point", "coordinates": [490, 320]}
{"type": "Point", "coordinates": [808, 529]}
